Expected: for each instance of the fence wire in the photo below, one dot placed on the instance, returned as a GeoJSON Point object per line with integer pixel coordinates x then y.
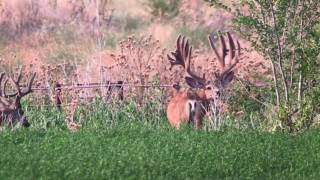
{"type": "Point", "coordinates": [100, 85]}
{"type": "Point", "coordinates": [111, 90]}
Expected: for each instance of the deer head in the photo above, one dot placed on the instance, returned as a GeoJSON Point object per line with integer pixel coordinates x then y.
{"type": "Point", "coordinates": [10, 106]}
{"type": "Point", "coordinates": [205, 90]}
{"type": "Point", "coordinates": [213, 87]}
{"type": "Point", "coordinates": [226, 65]}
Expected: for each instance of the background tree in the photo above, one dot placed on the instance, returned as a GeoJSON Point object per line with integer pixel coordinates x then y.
{"type": "Point", "coordinates": [285, 32]}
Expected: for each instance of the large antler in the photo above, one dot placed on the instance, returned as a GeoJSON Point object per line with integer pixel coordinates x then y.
{"type": "Point", "coordinates": [3, 89]}
{"type": "Point", "coordinates": [6, 104]}
{"type": "Point", "coordinates": [182, 56]}
{"type": "Point", "coordinates": [21, 91]}
{"type": "Point", "coordinates": [226, 65]}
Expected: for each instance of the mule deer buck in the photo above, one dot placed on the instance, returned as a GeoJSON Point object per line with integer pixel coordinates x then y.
{"type": "Point", "coordinates": [191, 106]}
{"type": "Point", "coordinates": [11, 112]}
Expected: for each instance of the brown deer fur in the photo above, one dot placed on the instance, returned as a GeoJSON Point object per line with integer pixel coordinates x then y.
{"type": "Point", "coordinates": [190, 106]}
{"type": "Point", "coordinates": [187, 107]}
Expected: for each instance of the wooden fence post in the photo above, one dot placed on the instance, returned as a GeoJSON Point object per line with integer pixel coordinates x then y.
{"type": "Point", "coordinates": [58, 98]}
{"type": "Point", "coordinates": [120, 90]}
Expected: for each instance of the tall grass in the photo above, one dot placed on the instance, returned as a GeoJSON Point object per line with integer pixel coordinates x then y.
{"type": "Point", "coordinates": [124, 140]}
{"type": "Point", "coordinates": [130, 149]}
{"type": "Point", "coordinates": [98, 114]}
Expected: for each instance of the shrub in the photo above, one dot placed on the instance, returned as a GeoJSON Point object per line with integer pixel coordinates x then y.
{"type": "Point", "coordinates": [139, 60]}
{"type": "Point", "coordinates": [164, 8]}
{"type": "Point", "coordinates": [197, 35]}
{"type": "Point", "coordinates": [63, 55]}
{"type": "Point", "coordinates": [283, 31]}
{"type": "Point", "coordinates": [109, 40]}
{"type": "Point", "coordinates": [132, 24]}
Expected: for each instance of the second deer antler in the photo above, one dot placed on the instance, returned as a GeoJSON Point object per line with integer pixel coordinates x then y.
{"type": "Point", "coordinates": [182, 56]}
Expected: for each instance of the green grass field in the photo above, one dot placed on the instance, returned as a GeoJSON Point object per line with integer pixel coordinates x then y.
{"type": "Point", "coordinates": [138, 148]}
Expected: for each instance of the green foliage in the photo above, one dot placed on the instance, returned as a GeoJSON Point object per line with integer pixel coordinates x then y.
{"type": "Point", "coordinates": [134, 151]}
{"type": "Point", "coordinates": [285, 32]}
{"type": "Point", "coordinates": [164, 8]}
{"type": "Point", "coordinates": [123, 27]}
{"type": "Point", "coordinates": [251, 109]}
{"type": "Point", "coordinates": [126, 141]}
{"type": "Point", "coordinates": [219, 4]}
{"type": "Point", "coordinates": [132, 24]}
{"type": "Point", "coordinates": [198, 35]}
{"type": "Point", "coordinates": [310, 109]}
{"type": "Point", "coordinates": [65, 34]}
{"type": "Point", "coordinates": [317, 30]}
{"type": "Point", "coordinates": [109, 40]}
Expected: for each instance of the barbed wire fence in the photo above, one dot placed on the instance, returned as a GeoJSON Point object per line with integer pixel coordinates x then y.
{"type": "Point", "coordinates": [110, 89]}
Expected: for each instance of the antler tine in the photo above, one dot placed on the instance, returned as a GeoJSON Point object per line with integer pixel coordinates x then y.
{"type": "Point", "coordinates": [29, 86]}
{"type": "Point", "coordinates": [188, 71]}
{"type": "Point", "coordinates": [234, 55]}
{"type": "Point", "coordinates": [184, 49]}
{"type": "Point", "coordinates": [239, 48]}
{"type": "Point", "coordinates": [16, 85]}
{"type": "Point", "coordinates": [182, 56]}
{"type": "Point", "coordinates": [232, 48]}
{"type": "Point", "coordinates": [5, 92]}
{"type": "Point", "coordinates": [1, 78]}
{"type": "Point", "coordinates": [4, 88]}
{"type": "Point", "coordinates": [19, 75]}
{"type": "Point", "coordinates": [223, 50]}
{"type": "Point", "coordinates": [188, 64]}
{"type": "Point", "coordinates": [177, 58]}
{"type": "Point", "coordinates": [20, 93]}
{"type": "Point", "coordinates": [221, 59]}
{"type": "Point", "coordinates": [187, 52]}
{"type": "Point", "coordinates": [214, 49]}
{"type": "Point", "coordinates": [4, 102]}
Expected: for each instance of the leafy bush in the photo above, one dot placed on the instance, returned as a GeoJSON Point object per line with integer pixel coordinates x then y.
{"type": "Point", "coordinates": [109, 40]}
{"type": "Point", "coordinates": [317, 30]}
{"type": "Point", "coordinates": [164, 8]}
{"type": "Point", "coordinates": [245, 109]}
{"type": "Point", "coordinates": [283, 31]}
{"type": "Point", "coordinates": [132, 24]}
{"type": "Point", "coordinates": [197, 35]}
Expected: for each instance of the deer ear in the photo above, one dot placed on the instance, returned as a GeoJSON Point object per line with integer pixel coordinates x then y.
{"type": "Point", "coordinates": [193, 83]}
{"type": "Point", "coordinates": [227, 78]}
